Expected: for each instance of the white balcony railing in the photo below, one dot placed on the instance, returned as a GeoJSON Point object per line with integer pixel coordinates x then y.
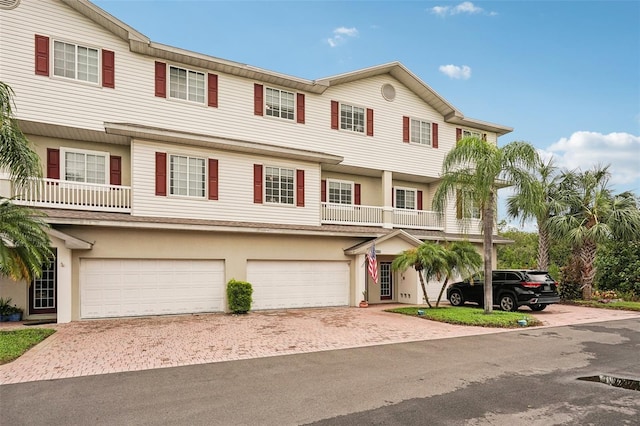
{"type": "Point", "coordinates": [416, 219]}
{"type": "Point", "coordinates": [74, 195]}
{"type": "Point", "coordinates": [351, 214]}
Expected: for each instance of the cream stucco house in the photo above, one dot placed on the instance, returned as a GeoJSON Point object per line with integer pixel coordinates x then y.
{"type": "Point", "coordinates": [168, 172]}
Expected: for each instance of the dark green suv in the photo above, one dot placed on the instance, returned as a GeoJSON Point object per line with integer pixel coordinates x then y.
{"type": "Point", "coordinates": [512, 288]}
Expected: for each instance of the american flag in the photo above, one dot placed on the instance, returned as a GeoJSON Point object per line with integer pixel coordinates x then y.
{"type": "Point", "coordinates": [373, 264]}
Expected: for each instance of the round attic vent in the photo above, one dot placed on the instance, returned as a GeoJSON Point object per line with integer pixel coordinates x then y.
{"type": "Point", "coordinates": [9, 4]}
{"type": "Point", "coordinates": [388, 92]}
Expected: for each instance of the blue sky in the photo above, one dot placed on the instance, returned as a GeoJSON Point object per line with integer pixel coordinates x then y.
{"type": "Point", "coordinates": [564, 74]}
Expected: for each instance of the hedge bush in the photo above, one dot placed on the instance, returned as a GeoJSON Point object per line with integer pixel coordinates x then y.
{"type": "Point", "coordinates": [239, 296]}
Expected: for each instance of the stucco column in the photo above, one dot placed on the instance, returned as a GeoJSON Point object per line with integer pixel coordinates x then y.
{"type": "Point", "coordinates": [64, 285]}
{"type": "Point", "coordinates": [387, 209]}
{"type": "Point", "coordinates": [360, 281]}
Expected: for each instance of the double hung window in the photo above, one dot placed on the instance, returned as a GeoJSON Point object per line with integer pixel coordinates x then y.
{"type": "Point", "coordinates": [187, 176]}
{"type": "Point", "coordinates": [352, 118]}
{"type": "Point", "coordinates": [340, 192]}
{"type": "Point", "coordinates": [279, 185]}
{"type": "Point", "coordinates": [405, 198]}
{"type": "Point", "coordinates": [280, 103]}
{"type": "Point", "coordinates": [186, 84]}
{"type": "Point", "coordinates": [420, 132]}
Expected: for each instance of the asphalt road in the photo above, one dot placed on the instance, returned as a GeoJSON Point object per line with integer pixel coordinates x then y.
{"type": "Point", "coordinates": [520, 377]}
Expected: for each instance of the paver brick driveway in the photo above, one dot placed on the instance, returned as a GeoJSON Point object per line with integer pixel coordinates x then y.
{"type": "Point", "coordinates": [91, 347]}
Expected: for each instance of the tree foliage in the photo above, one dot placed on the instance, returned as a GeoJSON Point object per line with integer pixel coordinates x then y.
{"type": "Point", "coordinates": [618, 266]}
{"type": "Point", "coordinates": [472, 171]}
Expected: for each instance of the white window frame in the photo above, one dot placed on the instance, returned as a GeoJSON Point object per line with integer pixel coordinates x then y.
{"type": "Point", "coordinates": [288, 199]}
{"type": "Point", "coordinates": [471, 133]}
{"type": "Point", "coordinates": [76, 65]}
{"type": "Point", "coordinates": [341, 183]}
{"type": "Point", "coordinates": [423, 137]}
{"type": "Point", "coordinates": [199, 193]}
{"type": "Point", "coordinates": [352, 125]}
{"type": "Point", "coordinates": [188, 85]}
{"type": "Point", "coordinates": [405, 190]}
{"type": "Point", "coordinates": [274, 103]}
{"type": "Point", "coordinates": [85, 152]}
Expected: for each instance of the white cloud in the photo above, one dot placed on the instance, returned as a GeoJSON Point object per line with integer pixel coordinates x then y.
{"type": "Point", "coordinates": [340, 36]}
{"type": "Point", "coordinates": [463, 8]}
{"type": "Point", "coordinates": [584, 150]}
{"type": "Point", "coordinates": [454, 71]}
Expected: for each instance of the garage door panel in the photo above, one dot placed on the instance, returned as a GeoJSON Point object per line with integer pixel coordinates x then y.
{"type": "Point", "coordinates": [298, 284]}
{"type": "Point", "coordinates": [126, 287]}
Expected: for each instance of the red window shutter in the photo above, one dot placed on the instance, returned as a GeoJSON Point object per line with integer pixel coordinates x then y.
{"type": "Point", "coordinates": [108, 69]}
{"type": "Point", "coordinates": [323, 191]}
{"type": "Point", "coordinates": [369, 122]}
{"type": "Point", "coordinates": [405, 129]}
{"type": "Point", "coordinates": [393, 196]}
{"type": "Point", "coordinates": [161, 79]}
{"type": "Point", "coordinates": [161, 173]}
{"type": "Point", "coordinates": [42, 55]}
{"type": "Point", "coordinates": [300, 188]}
{"type": "Point", "coordinates": [212, 90]}
{"type": "Point", "coordinates": [53, 163]}
{"type": "Point", "coordinates": [115, 170]}
{"type": "Point", "coordinates": [419, 200]}
{"type": "Point", "coordinates": [334, 115]}
{"type": "Point", "coordinates": [213, 179]}
{"type": "Point", "coordinates": [257, 183]}
{"type": "Point", "coordinates": [258, 99]}
{"type": "Point", "coordinates": [357, 190]}
{"type": "Point", "coordinates": [458, 134]}
{"type": "Point", "coordinates": [434, 135]}
{"type": "Point", "coordinates": [300, 108]}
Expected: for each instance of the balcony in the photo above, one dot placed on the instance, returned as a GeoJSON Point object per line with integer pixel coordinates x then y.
{"type": "Point", "coordinates": [60, 194]}
{"type": "Point", "coordinates": [349, 214]}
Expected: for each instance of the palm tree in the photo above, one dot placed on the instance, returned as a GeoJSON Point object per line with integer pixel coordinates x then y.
{"type": "Point", "coordinates": [473, 171]}
{"type": "Point", "coordinates": [540, 202]}
{"type": "Point", "coordinates": [429, 260]}
{"type": "Point", "coordinates": [593, 216]}
{"type": "Point", "coordinates": [24, 243]}
{"type": "Point", "coordinates": [462, 260]}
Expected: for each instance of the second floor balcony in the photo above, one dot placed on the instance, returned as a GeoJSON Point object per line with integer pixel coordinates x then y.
{"type": "Point", "coordinates": [54, 193]}
{"type": "Point", "coordinates": [346, 214]}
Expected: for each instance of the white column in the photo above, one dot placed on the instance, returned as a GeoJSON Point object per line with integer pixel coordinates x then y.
{"type": "Point", "coordinates": [361, 278]}
{"type": "Point", "coordinates": [387, 209]}
{"type": "Point", "coordinates": [64, 285]}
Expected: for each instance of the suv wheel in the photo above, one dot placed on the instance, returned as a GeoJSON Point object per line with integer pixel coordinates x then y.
{"type": "Point", "coordinates": [455, 298]}
{"type": "Point", "coordinates": [508, 303]}
{"type": "Point", "coordinates": [538, 307]}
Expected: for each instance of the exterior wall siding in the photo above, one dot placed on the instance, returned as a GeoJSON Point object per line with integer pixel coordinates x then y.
{"type": "Point", "coordinates": [235, 200]}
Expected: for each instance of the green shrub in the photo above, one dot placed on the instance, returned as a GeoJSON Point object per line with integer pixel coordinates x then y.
{"type": "Point", "coordinates": [618, 268]}
{"type": "Point", "coordinates": [570, 280]}
{"type": "Point", "coordinates": [239, 296]}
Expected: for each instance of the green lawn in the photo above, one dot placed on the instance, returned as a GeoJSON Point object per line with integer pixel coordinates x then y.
{"type": "Point", "coordinates": [621, 305]}
{"type": "Point", "coordinates": [470, 316]}
{"type": "Point", "coordinates": [14, 343]}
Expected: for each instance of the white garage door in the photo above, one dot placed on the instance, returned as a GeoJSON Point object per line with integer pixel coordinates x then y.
{"type": "Point", "coordinates": [130, 287]}
{"type": "Point", "coordinates": [298, 284]}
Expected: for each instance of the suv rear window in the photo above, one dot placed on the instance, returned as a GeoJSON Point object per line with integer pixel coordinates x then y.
{"type": "Point", "coordinates": [539, 277]}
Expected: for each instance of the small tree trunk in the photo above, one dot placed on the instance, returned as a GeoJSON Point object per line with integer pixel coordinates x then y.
{"type": "Point", "coordinates": [543, 249]}
{"type": "Point", "coordinates": [424, 289]}
{"type": "Point", "coordinates": [588, 255]}
{"type": "Point", "coordinates": [444, 286]}
{"type": "Point", "coordinates": [487, 230]}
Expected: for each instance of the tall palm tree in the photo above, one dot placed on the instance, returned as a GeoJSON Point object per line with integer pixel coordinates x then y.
{"type": "Point", "coordinates": [24, 243]}
{"type": "Point", "coordinates": [540, 202]}
{"type": "Point", "coordinates": [593, 216]}
{"type": "Point", "coordinates": [473, 171]}
{"type": "Point", "coordinates": [462, 260]}
{"type": "Point", "coordinates": [429, 260]}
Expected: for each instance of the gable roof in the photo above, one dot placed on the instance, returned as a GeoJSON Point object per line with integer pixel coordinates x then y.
{"type": "Point", "coordinates": [364, 247]}
{"type": "Point", "coordinates": [139, 43]}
